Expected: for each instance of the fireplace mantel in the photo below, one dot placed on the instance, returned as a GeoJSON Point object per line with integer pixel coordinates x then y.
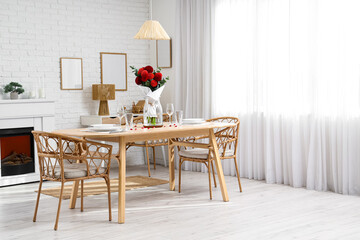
{"type": "Point", "coordinates": [26, 108]}
{"type": "Point", "coordinates": [36, 113]}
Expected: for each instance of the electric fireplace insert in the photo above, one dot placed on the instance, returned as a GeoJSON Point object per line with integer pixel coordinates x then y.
{"type": "Point", "coordinates": [16, 151]}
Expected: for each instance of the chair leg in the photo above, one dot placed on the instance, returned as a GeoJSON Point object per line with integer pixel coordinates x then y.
{"type": "Point", "coordinates": [180, 163]}
{"type": "Point", "coordinates": [145, 161]}
{"type": "Point", "coordinates": [154, 159]}
{"type": "Point", "coordinates": [58, 211]}
{"type": "Point", "coordinates": [107, 180]}
{"type": "Point", "coordinates": [37, 200]}
{"type": "Point", "coordinates": [209, 174]}
{"type": "Point", "coordinates": [213, 172]}
{"type": "Point", "coordinates": [163, 153]}
{"type": "Point", "coordinates": [82, 196]}
{"type": "Point", "coordinates": [237, 174]}
{"type": "Point", "coordinates": [148, 161]}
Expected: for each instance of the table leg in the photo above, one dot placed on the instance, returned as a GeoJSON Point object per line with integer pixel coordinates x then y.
{"type": "Point", "coordinates": [74, 192]}
{"type": "Point", "coordinates": [171, 165]}
{"type": "Point", "coordinates": [219, 169]}
{"type": "Point", "coordinates": [122, 180]}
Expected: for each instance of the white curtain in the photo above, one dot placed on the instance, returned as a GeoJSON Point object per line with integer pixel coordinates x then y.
{"type": "Point", "coordinates": [194, 30]}
{"type": "Point", "coordinates": [193, 52]}
{"type": "Point", "coordinates": [290, 70]}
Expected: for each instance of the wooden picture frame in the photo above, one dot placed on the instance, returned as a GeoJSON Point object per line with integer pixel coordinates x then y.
{"type": "Point", "coordinates": [164, 53]}
{"type": "Point", "coordinates": [114, 69]}
{"type": "Point", "coordinates": [71, 73]}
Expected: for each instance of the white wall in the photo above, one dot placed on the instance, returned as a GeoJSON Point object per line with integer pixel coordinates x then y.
{"type": "Point", "coordinates": [34, 34]}
{"type": "Point", "coordinates": [164, 12]}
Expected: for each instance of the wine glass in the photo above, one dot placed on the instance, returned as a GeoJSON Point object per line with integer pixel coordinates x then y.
{"type": "Point", "coordinates": [121, 111]}
{"type": "Point", "coordinates": [170, 110]}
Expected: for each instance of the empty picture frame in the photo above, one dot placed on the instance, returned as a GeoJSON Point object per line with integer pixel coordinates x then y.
{"type": "Point", "coordinates": [114, 70]}
{"type": "Point", "coordinates": [71, 73]}
{"type": "Point", "coordinates": [163, 53]}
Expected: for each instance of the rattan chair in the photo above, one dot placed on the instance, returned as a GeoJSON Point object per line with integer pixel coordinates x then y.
{"type": "Point", "coordinates": [152, 144]}
{"type": "Point", "coordinates": [63, 159]}
{"type": "Point", "coordinates": [226, 138]}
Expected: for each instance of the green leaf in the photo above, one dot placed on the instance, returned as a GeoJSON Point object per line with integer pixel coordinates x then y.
{"type": "Point", "coordinates": [14, 87]}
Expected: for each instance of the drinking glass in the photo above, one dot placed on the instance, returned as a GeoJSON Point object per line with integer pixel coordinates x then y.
{"type": "Point", "coordinates": [170, 110]}
{"type": "Point", "coordinates": [129, 120]}
{"type": "Point", "coordinates": [179, 117]}
{"type": "Point", "coordinates": [121, 111]}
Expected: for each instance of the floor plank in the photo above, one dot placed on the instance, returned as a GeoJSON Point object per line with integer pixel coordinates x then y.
{"type": "Point", "coordinates": [262, 211]}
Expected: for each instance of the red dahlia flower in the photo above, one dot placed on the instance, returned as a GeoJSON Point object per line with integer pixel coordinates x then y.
{"type": "Point", "coordinates": [149, 69]}
{"type": "Point", "coordinates": [144, 73]}
{"type": "Point", "coordinates": [144, 76]}
{"type": "Point", "coordinates": [158, 76]}
{"type": "Point", "coordinates": [150, 76]}
{"type": "Point", "coordinates": [140, 71]}
{"type": "Point", "coordinates": [138, 80]}
{"type": "Point", "coordinates": [153, 83]}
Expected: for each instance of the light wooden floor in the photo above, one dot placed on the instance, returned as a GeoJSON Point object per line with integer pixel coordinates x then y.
{"type": "Point", "coordinates": [262, 211]}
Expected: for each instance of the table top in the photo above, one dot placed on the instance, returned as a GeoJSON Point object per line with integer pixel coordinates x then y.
{"type": "Point", "coordinates": [139, 133]}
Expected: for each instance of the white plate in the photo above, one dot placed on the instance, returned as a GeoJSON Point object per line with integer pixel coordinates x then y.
{"type": "Point", "coordinates": [193, 120]}
{"type": "Point", "coordinates": [104, 129]}
{"type": "Point", "coordinates": [102, 126]}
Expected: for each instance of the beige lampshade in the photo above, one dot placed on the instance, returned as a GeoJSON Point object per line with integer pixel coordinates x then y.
{"type": "Point", "coordinates": [152, 30]}
{"type": "Point", "coordinates": [103, 91]}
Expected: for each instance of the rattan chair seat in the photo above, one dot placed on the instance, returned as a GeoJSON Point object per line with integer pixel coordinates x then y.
{"type": "Point", "coordinates": [77, 170]}
{"type": "Point", "coordinates": [201, 153]}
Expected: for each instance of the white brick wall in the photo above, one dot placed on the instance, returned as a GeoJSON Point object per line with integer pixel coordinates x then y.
{"type": "Point", "coordinates": [34, 34]}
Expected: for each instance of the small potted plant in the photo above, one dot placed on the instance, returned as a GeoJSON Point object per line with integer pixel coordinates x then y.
{"type": "Point", "coordinates": [14, 89]}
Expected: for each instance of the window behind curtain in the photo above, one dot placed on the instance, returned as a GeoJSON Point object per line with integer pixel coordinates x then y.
{"type": "Point", "coordinates": [287, 57]}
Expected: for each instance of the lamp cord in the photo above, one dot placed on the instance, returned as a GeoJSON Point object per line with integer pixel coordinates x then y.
{"type": "Point", "coordinates": [150, 2]}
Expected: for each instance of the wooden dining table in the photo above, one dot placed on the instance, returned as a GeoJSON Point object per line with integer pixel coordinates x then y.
{"type": "Point", "coordinates": [138, 133]}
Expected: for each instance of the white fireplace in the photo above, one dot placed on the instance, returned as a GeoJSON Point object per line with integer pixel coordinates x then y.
{"type": "Point", "coordinates": [17, 119]}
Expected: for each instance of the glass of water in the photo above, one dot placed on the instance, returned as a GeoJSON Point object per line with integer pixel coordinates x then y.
{"type": "Point", "coordinates": [179, 117]}
{"type": "Point", "coordinates": [129, 120]}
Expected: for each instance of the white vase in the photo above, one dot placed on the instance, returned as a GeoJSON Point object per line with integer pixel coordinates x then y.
{"type": "Point", "coordinates": [14, 95]}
